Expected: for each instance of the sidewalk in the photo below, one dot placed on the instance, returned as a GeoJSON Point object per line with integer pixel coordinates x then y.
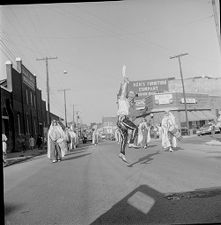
{"type": "Point", "coordinates": [15, 157]}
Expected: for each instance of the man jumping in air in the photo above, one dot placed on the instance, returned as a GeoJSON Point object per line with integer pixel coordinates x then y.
{"type": "Point", "coordinates": [125, 99]}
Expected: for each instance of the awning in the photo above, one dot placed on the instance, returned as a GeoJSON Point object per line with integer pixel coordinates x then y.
{"type": "Point", "coordinates": [196, 115]}
{"type": "Point", "coordinates": [199, 115]}
{"type": "Point", "coordinates": [190, 114]}
{"type": "Point", "coordinates": [209, 115]}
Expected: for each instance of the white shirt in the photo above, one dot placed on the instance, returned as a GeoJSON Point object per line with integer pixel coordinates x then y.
{"type": "Point", "coordinates": [123, 107]}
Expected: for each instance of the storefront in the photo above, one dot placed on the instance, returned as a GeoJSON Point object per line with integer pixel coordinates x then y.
{"type": "Point", "coordinates": [200, 111]}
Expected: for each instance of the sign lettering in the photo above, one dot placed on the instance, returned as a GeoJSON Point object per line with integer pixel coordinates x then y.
{"type": "Point", "coordinates": [28, 78]}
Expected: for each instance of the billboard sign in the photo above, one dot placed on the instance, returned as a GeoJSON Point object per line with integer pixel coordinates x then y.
{"type": "Point", "coordinates": [146, 88]}
{"type": "Point", "coordinates": [28, 78]}
{"type": "Point", "coordinates": [189, 101]}
{"type": "Point", "coordinates": [163, 99]}
{"type": "Point", "coordinates": [140, 104]}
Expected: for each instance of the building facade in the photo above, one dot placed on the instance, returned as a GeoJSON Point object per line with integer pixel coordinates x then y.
{"type": "Point", "coordinates": [201, 109]}
{"type": "Point", "coordinates": [109, 125]}
{"type": "Point", "coordinates": [203, 99]}
{"type": "Point", "coordinates": [24, 112]}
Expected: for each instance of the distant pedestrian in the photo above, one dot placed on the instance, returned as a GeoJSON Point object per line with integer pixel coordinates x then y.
{"type": "Point", "coordinates": [54, 134]}
{"type": "Point", "coordinates": [159, 130]}
{"type": "Point", "coordinates": [143, 134]}
{"type": "Point", "coordinates": [22, 142]}
{"type": "Point", "coordinates": [68, 138]}
{"type": "Point", "coordinates": [4, 148]}
{"type": "Point", "coordinates": [39, 142]}
{"type": "Point", "coordinates": [219, 121]}
{"type": "Point", "coordinates": [212, 125]}
{"type": "Point", "coordinates": [95, 136]}
{"type": "Point", "coordinates": [64, 138]}
{"type": "Point", "coordinates": [168, 125]}
{"type": "Point", "coordinates": [117, 136]}
{"type": "Point", "coordinates": [31, 142]}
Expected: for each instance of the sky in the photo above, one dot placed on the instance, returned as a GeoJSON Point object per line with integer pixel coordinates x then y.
{"type": "Point", "coordinates": [93, 40]}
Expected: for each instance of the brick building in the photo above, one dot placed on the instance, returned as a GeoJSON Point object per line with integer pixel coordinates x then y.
{"type": "Point", "coordinates": [201, 108]}
{"type": "Point", "coordinates": [203, 95]}
{"type": "Point", "coordinates": [23, 110]}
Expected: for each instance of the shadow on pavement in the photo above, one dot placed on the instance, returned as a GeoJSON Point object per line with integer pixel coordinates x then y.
{"type": "Point", "coordinates": [174, 149]}
{"type": "Point", "coordinates": [75, 157]}
{"type": "Point", "coordinates": [144, 160]}
{"type": "Point", "coordinates": [178, 149]}
{"type": "Point", "coordinates": [218, 139]}
{"type": "Point", "coordinates": [145, 205]}
{"type": "Point", "coordinates": [76, 151]}
{"type": "Point", "coordinates": [215, 157]}
{"type": "Point", "coordinates": [10, 208]}
{"type": "Point", "coordinates": [151, 146]}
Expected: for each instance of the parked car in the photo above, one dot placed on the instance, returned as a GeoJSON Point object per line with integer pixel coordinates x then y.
{"type": "Point", "coordinates": [207, 129]}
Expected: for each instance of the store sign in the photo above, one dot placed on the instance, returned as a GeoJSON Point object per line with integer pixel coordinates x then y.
{"type": "Point", "coordinates": [163, 99]}
{"type": "Point", "coordinates": [148, 87]}
{"type": "Point", "coordinates": [28, 78]}
{"type": "Point", "coordinates": [140, 104]}
{"type": "Point", "coordinates": [189, 101]}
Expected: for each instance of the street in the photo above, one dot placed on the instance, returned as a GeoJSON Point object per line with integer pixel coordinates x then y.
{"type": "Point", "coordinates": [92, 185]}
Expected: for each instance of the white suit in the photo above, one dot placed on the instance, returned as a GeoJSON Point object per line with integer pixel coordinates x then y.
{"type": "Point", "coordinates": [168, 122]}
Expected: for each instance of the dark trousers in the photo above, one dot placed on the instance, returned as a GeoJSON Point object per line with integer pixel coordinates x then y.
{"type": "Point", "coordinates": [124, 124]}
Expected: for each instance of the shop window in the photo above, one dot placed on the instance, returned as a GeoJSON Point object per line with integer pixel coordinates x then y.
{"type": "Point", "coordinates": [19, 123]}
{"type": "Point", "coordinates": [31, 96]}
{"type": "Point", "coordinates": [34, 102]}
{"type": "Point", "coordinates": [194, 124]}
{"type": "Point", "coordinates": [202, 123]}
{"type": "Point", "coordinates": [26, 92]}
{"type": "Point", "coordinates": [34, 124]}
{"type": "Point", "coordinates": [190, 125]}
{"type": "Point", "coordinates": [28, 130]}
{"type": "Point", "coordinates": [183, 124]}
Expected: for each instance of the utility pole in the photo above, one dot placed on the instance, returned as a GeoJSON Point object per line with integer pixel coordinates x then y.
{"type": "Point", "coordinates": [65, 110]}
{"type": "Point", "coordinates": [77, 123]}
{"type": "Point", "coordinates": [73, 116]}
{"type": "Point", "coordinates": [184, 94]}
{"type": "Point", "coordinates": [47, 85]}
{"type": "Point", "coordinates": [216, 5]}
{"type": "Point", "coordinates": [2, 170]}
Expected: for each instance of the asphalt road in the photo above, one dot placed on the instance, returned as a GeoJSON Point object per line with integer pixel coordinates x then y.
{"type": "Point", "coordinates": [93, 186]}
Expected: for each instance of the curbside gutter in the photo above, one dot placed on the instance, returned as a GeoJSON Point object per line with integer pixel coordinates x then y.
{"type": "Point", "coordinates": [11, 161]}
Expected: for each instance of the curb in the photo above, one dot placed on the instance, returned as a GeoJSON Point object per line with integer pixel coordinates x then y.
{"type": "Point", "coordinates": [11, 161]}
{"type": "Point", "coordinates": [214, 143]}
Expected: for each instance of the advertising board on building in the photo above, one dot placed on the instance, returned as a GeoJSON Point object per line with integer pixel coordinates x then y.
{"type": "Point", "coordinates": [189, 101]}
{"type": "Point", "coordinates": [28, 78]}
{"type": "Point", "coordinates": [140, 104]}
{"type": "Point", "coordinates": [146, 88]}
{"type": "Point", "coordinates": [163, 99]}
